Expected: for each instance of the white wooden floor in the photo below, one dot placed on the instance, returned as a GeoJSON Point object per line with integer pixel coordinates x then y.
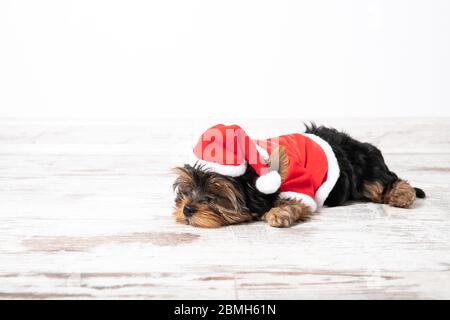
{"type": "Point", "coordinates": [85, 212]}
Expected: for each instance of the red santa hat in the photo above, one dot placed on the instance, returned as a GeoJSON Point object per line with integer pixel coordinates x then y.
{"type": "Point", "coordinates": [228, 150]}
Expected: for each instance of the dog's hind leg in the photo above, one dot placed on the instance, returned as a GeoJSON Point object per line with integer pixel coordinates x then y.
{"type": "Point", "coordinates": [381, 185]}
{"type": "Point", "coordinates": [400, 194]}
{"type": "Point", "coordinates": [397, 194]}
{"type": "Point", "coordinates": [286, 213]}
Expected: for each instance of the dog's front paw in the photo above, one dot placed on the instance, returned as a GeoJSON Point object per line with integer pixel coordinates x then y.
{"type": "Point", "coordinates": [278, 217]}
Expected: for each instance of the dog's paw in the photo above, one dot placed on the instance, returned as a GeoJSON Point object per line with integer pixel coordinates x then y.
{"type": "Point", "coordinates": [401, 195]}
{"type": "Point", "coordinates": [278, 217]}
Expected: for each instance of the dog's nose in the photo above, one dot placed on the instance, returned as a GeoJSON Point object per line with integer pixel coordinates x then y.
{"type": "Point", "coordinates": [189, 211]}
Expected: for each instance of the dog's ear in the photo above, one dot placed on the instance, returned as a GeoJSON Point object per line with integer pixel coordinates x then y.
{"type": "Point", "coordinates": [279, 161]}
{"type": "Point", "coordinates": [184, 175]}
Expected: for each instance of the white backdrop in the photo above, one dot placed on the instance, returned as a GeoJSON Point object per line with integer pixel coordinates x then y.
{"type": "Point", "coordinates": [91, 58]}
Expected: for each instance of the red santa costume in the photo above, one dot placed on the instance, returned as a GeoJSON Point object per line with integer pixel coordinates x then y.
{"type": "Point", "coordinates": [312, 173]}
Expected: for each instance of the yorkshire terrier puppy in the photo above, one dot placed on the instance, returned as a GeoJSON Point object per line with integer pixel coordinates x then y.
{"type": "Point", "coordinates": [282, 180]}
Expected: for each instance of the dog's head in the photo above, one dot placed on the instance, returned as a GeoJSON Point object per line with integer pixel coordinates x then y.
{"type": "Point", "coordinates": [207, 199]}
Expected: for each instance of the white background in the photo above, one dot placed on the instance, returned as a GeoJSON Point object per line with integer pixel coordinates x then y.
{"type": "Point", "coordinates": [227, 58]}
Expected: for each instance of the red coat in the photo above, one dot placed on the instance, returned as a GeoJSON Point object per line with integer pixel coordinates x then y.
{"type": "Point", "coordinates": [313, 168]}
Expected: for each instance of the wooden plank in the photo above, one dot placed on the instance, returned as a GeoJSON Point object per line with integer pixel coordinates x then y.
{"type": "Point", "coordinates": [85, 212]}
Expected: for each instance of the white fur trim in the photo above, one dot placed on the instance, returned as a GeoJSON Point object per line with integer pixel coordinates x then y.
{"type": "Point", "coordinates": [269, 183]}
{"type": "Point", "coordinates": [226, 170]}
{"type": "Point", "coordinates": [300, 196]}
{"type": "Point", "coordinates": [333, 169]}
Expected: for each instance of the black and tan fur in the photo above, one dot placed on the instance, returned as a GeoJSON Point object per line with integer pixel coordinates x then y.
{"type": "Point", "coordinates": [207, 199]}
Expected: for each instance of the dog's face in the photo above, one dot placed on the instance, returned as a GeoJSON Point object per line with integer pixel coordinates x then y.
{"type": "Point", "coordinates": [206, 199]}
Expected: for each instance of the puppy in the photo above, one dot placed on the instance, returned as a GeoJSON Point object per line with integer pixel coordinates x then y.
{"type": "Point", "coordinates": [281, 180]}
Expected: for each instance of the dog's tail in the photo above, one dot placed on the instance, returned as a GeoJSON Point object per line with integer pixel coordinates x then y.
{"type": "Point", "coordinates": [419, 193]}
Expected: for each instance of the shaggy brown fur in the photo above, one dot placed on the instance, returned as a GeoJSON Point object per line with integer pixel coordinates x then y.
{"type": "Point", "coordinates": [373, 191]}
{"type": "Point", "coordinates": [401, 194]}
{"type": "Point", "coordinates": [286, 213]}
{"type": "Point", "coordinates": [214, 201]}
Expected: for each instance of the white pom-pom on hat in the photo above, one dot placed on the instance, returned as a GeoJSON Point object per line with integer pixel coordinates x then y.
{"type": "Point", "coordinates": [269, 183]}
